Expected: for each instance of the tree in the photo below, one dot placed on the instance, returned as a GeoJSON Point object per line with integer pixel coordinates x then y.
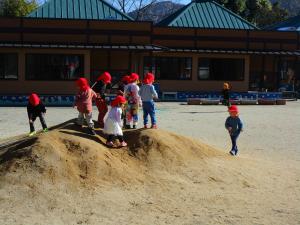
{"type": "Point", "coordinates": [17, 8]}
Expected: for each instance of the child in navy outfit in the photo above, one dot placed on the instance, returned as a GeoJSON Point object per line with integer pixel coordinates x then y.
{"type": "Point", "coordinates": [148, 93]}
{"type": "Point", "coordinates": [234, 125]}
{"type": "Point", "coordinates": [36, 108]}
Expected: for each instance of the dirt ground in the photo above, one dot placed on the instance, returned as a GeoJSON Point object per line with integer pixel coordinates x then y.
{"type": "Point", "coordinates": [68, 177]}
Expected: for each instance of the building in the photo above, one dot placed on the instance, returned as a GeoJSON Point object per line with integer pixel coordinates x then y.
{"type": "Point", "coordinates": [196, 49]}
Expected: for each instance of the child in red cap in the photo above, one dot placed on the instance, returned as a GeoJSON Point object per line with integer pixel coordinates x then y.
{"type": "Point", "coordinates": [83, 103]}
{"type": "Point", "coordinates": [102, 84]}
{"type": "Point", "coordinates": [234, 125]}
{"type": "Point", "coordinates": [35, 108]}
{"type": "Point", "coordinates": [113, 122]}
{"type": "Point", "coordinates": [133, 101]}
{"type": "Point", "coordinates": [148, 93]}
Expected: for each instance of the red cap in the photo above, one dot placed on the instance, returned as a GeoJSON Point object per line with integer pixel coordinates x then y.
{"type": "Point", "coordinates": [34, 99]}
{"type": "Point", "coordinates": [83, 84]}
{"type": "Point", "coordinates": [105, 77]}
{"type": "Point", "coordinates": [118, 100]}
{"type": "Point", "coordinates": [134, 77]}
{"type": "Point", "coordinates": [233, 108]}
{"type": "Point", "coordinates": [149, 78]}
{"type": "Point", "coordinates": [126, 79]}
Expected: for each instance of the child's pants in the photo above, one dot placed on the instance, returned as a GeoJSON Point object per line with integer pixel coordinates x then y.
{"type": "Point", "coordinates": [102, 108]}
{"type": "Point", "coordinates": [149, 109]}
{"type": "Point", "coordinates": [132, 114]}
{"type": "Point", "coordinates": [42, 119]}
{"type": "Point", "coordinates": [233, 141]}
{"type": "Point", "coordinates": [88, 118]}
{"type": "Point", "coordinates": [112, 137]}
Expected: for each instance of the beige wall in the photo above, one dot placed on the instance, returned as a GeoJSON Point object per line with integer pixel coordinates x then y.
{"type": "Point", "coordinates": [22, 86]}
{"type": "Point", "coordinates": [200, 85]}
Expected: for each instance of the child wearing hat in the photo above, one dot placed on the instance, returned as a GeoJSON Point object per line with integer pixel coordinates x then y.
{"type": "Point", "coordinates": [226, 94]}
{"type": "Point", "coordinates": [113, 122]}
{"type": "Point", "coordinates": [234, 125]}
{"type": "Point", "coordinates": [122, 84]}
{"type": "Point", "coordinates": [100, 87]}
{"type": "Point", "coordinates": [133, 98]}
{"type": "Point", "coordinates": [35, 108]}
{"type": "Point", "coordinates": [83, 103]}
{"type": "Point", "coordinates": [148, 93]}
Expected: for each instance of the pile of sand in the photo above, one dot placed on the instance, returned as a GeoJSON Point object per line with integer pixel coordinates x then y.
{"type": "Point", "coordinates": [69, 177]}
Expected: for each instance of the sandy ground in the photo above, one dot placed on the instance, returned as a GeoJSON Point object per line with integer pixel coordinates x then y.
{"type": "Point", "coordinates": [67, 177]}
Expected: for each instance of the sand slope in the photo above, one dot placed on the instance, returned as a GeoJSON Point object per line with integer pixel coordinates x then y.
{"type": "Point", "coordinates": [69, 177]}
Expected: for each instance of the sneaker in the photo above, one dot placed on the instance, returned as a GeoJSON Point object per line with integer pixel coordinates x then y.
{"type": "Point", "coordinates": [123, 144]}
{"type": "Point", "coordinates": [145, 126]}
{"type": "Point", "coordinates": [32, 133]}
{"type": "Point", "coordinates": [45, 130]}
{"type": "Point", "coordinates": [92, 132]}
{"type": "Point", "coordinates": [232, 153]}
{"type": "Point", "coordinates": [154, 126]}
{"type": "Point", "coordinates": [134, 127]}
{"type": "Point", "coordinates": [127, 127]}
{"type": "Point", "coordinates": [110, 144]}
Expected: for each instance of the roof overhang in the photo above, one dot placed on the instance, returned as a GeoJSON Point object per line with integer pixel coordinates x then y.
{"type": "Point", "coordinates": [82, 46]}
{"type": "Point", "coordinates": [240, 52]}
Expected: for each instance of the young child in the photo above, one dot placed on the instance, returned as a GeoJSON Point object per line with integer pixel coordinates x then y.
{"type": "Point", "coordinates": [133, 98]}
{"type": "Point", "coordinates": [113, 122]}
{"type": "Point", "coordinates": [234, 125]}
{"type": "Point", "coordinates": [122, 84]}
{"type": "Point", "coordinates": [83, 103]}
{"type": "Point", "coordinates": [225, 93]}
{"type": "Point", "coordinates": [35, 108]}
{"type": "Point", "coordinates": [102, 84]}
{"type": "Point", "coordinates": [148, 93]}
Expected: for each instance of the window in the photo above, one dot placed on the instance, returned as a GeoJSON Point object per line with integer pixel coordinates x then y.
{"type": "Point", "coordinates": [221, 69]}
{"type": "Point", "coordinates": [54, 66]}
{"type": "Point", "coordinates": [8, 66]}
{"type": "Point", "coordinates": [169, 68]}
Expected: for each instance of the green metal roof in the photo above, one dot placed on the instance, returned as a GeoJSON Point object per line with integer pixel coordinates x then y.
{"type": "Point", "coordinates": [291, 24]}
{"type": "Point", "coordinates": [206, 14]}
{"type": "Point", "coordinates": [78, 9]}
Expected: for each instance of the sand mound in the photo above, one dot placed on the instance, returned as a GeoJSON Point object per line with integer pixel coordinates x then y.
{"type": "Point", "coordinates": [69, 154]}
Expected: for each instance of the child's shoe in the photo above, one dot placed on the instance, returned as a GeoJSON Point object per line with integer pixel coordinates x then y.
{"type": "Point", "coordinates": [45, 130]}
{"type": "Point", "coordinates": [32, 133]}
{"type": "Point", "coordinates": [232, 152]}
{"type": "Point", "coordinates": [134, 127]}
{"type": "Point", "coordinates": [123, 144]}
{"type": "Point", "coordinates": [110, 144]}
{"type": "Point", "coordinates": [145, 126]}
{"type": "Point", "coordinates": [92, 132]}
{"type": "Point", "coordinates": [154, 126]}
{"type": "Point", "coordinates": [127, 127]}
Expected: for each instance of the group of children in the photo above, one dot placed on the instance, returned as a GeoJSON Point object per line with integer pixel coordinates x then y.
{"type": "Point", "coordinates": [124, 108]}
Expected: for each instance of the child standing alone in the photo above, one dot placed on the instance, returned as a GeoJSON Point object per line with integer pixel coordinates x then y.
{"type": "Point", "coordinates": [148, 93]}
{"type": "Point", "coordinates": [83, 103]}
{"type": "Point", "coordinates": [234, 125]}
{"type": "Point", "coordinates": [113, 122]}
{"type": "Point", "coordinates": [35, 108]}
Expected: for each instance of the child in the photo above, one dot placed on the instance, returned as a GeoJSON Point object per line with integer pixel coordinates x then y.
{"type": "Point", "coordinates": [102, 84]}
{"type": "Point", "coordinates": [234, 125]}
{"type": "Point", "coordinates": [113, 122]}
{"type": "Point", "coordinates": [124, 81]}
{"type": "Point", "coordinates": [225, 93]}
{"type": "Point", "coordinates": [133, 98]}
{"type": "Point", "coordinates": [83, 103]}
{"type": "Point", "coordinates": [35, 108]}
{"type": "Point", "coordinates": [148, 93]}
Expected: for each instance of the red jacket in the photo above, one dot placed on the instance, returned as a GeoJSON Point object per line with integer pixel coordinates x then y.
{"type": "Point", "coordinates": [84, 100]}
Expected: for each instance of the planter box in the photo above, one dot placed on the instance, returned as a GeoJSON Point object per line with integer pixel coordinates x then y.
{"type": "Point", "coordinates": [266, 101]}
{"type": "Point", "coordinates": [281, 102]}
{"type": "Point", "coordinates": [194, 101]}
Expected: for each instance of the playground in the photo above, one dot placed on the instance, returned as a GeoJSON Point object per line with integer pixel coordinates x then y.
{"type": "Point", "coordinates": [180, 173]}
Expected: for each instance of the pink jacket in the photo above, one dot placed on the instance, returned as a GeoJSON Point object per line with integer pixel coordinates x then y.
{"type": "Point", "coordinates": [84, 100]}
